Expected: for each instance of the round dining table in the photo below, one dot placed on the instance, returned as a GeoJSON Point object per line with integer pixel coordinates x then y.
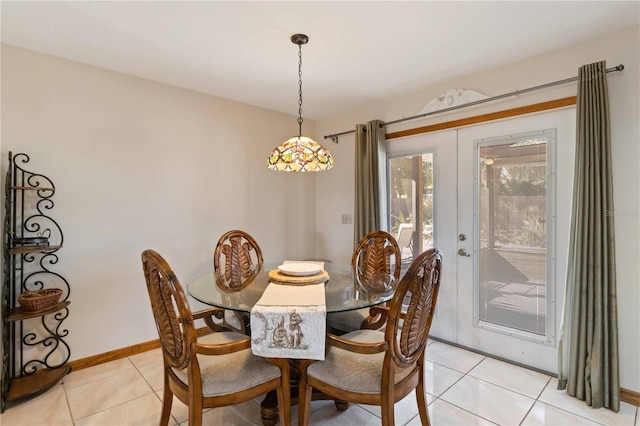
{"type": "Point", "coordinates": [343, 290]}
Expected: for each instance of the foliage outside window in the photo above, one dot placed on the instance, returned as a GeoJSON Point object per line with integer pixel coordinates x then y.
{"type": "Point", "coordinates": [411, 196]}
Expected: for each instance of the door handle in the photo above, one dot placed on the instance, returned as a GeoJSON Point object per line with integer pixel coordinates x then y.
{"type": "Point", "coordinates": [463, 252]}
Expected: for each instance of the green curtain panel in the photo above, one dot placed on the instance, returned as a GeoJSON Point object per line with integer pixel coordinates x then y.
{"type": "Point", "coordinates": [370, 179]}
{"type": "Point", "coordinates": [588, 351]}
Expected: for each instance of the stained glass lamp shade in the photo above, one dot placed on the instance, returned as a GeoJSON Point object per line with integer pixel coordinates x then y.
{"type": "Point", "coordinates": [300, 154]}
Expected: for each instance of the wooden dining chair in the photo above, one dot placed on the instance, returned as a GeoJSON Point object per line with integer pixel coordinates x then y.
{"type": "Point", "coordinates": [237, 260]}
{"type": "Point", "coordinates": [381, 367]}
{"type": "Point", "coordinates": [376, 264]}
{"type": "Point", "coordinates": [216, 370]}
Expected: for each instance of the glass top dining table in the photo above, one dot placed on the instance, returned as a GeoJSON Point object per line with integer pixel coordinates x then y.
{"type": "Point", "coordinates": [343, 291]}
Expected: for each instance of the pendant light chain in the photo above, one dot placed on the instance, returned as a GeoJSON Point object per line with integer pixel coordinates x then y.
{"type": "Point", "coordinates": [300, 153]}
{"type": "Point", "coordinates": [300, 90]}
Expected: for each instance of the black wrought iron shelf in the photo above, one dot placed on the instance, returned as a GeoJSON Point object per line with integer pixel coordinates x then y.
{"type": "Point", "coordinates": [33, 249]}
{"type": "Point", "coordinates": [19, 315]}
{"type": "Point", "coordinates": [35, 352]}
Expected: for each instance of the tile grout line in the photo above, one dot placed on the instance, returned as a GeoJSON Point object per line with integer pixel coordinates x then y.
{"type": "Point", "coordinates": [561, 408]}
{"type": "Point", "coordinates": [124, 402]}
{"type": "Point", "coordinates": [535, 398]}
{"type": "Point", "coordinates": [155, 393]}
{"type": "Point", "coordinates": [468, 373]}
{"type": "Point", "coordinates": [536, 401]}
{"type": "Point", "coordinates": [66, 398]}
{"type": "Point", "coordinates": [466, 411]}
{"type": "Point", "coordinates": [454, 383]}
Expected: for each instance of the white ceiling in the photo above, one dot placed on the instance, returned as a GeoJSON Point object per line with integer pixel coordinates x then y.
{"type": "Point", "coordinates": [358, 51]}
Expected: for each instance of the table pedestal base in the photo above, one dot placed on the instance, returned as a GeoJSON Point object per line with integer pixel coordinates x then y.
{"type": "Point", "coordinates": [269, 406]}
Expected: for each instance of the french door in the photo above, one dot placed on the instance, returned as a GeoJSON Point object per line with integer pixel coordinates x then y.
{"type": "Point", "coordinates": [500, 215]}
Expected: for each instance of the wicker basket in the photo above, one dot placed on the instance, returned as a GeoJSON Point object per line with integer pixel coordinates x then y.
{"type": "Point", "coordinates": [39, 300]}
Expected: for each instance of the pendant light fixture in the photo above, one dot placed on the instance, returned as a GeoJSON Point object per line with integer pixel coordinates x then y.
{"type": "Point", "coordinates": [300, 153]}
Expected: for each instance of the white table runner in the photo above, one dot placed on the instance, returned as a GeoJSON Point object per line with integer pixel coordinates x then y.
{"type": "Point", "coordinates": [289, 321]}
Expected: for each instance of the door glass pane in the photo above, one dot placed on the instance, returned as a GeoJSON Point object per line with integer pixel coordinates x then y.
{"type": "Point", "coordinates": [411, 203]}
{"type": "Point", "coordinates": [512, 218]}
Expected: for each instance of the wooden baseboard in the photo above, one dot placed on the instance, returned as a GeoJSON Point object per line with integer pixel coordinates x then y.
{"type": "Point", "coordinates": [90, 361]}
{"type": "Point", "coordinates": [630, 397]}
{"type": "Point", "coordinates": [626, 395]}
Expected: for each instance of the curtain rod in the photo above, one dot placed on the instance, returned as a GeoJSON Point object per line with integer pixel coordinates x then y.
{"type": "Point", "coordinates": [334, 136]}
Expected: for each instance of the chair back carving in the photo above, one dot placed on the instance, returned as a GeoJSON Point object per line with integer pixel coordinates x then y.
{"type": "Point", "coordinates": [376, 261]}
{"type": "Point", "coordinates": [412, 308]}
{"type": "Point", "coordinates": [171, 312]}
{"type": "Point", "coordinates": [237, 259]}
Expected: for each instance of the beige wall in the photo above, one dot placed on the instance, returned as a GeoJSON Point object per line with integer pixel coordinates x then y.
{"type": "Point", "coordinates": [334, 191]}
{"type": "Point", "coordinates": [138, 165]}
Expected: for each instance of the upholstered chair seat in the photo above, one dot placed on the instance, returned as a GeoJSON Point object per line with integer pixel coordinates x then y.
{"type": "Point", "coordinates": [230, 373]}
{"type": "Point", "coordinates": [353, 372]}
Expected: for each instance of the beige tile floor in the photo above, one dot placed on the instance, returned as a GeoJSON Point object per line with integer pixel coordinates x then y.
{"type": "Point", "coordinates": [464, 388]}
